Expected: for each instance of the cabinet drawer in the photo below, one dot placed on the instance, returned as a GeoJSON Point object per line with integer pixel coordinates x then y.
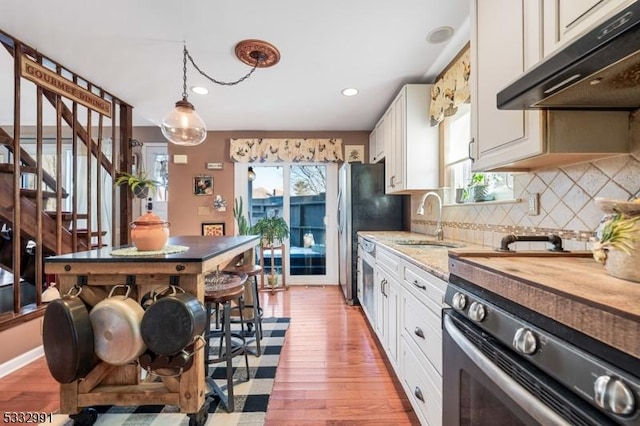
{"type": "Point", "coordinates": [422, 326]}
{"type": "Point", "coordinates": [423, 386]}
{"type": "Point", "coordinates": [389, 261]}
{"type": "Point", "coordinates": [427, 288]}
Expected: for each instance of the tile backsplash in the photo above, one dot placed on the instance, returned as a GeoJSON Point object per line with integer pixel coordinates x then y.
{"type": "Point", "coordinates": [567, 204]}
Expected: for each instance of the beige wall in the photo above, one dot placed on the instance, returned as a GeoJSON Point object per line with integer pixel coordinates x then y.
{"type": "Point", "coordinates": [20, 339]}
{"type": "Point", "coordinates": [188, 211]}
{"type": "Point", "coordinates": [567, 204]}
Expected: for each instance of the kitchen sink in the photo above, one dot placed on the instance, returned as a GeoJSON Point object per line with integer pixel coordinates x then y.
{"type": "Point", "coordinates": [429, 244]}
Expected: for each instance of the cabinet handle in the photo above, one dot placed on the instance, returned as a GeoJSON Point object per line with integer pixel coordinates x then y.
{"type": "Point", "coordinates": [391, 179]}
{"type": "Point", "coordinates": [382, 284]}
{"type": "Point", "coordinates": [471, 142]}
{"type": "Point", "coordinates": [423, 287]}
{"type": "Point", "coordinates": [418, 331]}
{"type": "Point", "coordinates": [418, 394]}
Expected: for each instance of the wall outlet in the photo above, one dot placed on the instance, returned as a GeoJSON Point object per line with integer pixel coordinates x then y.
{"type": "Point", "coordinates": [533, 204]}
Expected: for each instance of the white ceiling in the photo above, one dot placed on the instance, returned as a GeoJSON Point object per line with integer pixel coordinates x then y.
{"type": "Point", "coordinates": [133, 49]}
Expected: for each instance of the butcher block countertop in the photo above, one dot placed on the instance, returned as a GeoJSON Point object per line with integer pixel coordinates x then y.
{"type": "Point", "coordinates": [570, 288]}
{"type": "Point", "coordinates": [573, 290]}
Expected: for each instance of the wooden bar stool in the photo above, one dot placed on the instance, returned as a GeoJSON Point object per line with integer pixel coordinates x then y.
{"type": "Point", "coordinates": [229, 288]}
{"type": "Point", "coordinates": [251, 294]}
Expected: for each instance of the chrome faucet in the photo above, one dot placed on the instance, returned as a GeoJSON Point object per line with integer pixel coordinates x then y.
{"type": "Point", "coordinates": [439, 234]}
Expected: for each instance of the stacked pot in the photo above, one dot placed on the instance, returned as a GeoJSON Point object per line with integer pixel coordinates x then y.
{"type": "Point", "coordinates": [119, 331]}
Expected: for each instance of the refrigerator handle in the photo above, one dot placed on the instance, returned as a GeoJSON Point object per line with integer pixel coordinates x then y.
{"type": "Point", "coordinates": [339, 212]}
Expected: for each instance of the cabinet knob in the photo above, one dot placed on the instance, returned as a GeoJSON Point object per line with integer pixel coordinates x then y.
{"type": "Point", "coordinates": [418, 332]}
{"type": "Point", "coordinates": [418, 393]}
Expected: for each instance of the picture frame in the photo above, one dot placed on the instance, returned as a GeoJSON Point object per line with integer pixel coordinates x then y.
{"type": "Point", "coordinates": [354, 153]}
{"type": "Point", "coordinates": [213, 229]}
{"type": "Point", "coordinates": [203, 185]}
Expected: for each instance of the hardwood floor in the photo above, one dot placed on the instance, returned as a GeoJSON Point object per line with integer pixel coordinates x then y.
{"type": "Point", "coordinates": [331, 371]}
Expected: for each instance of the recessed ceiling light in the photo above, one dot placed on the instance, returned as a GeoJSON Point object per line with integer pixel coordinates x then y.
{"type": "Point", "coordinates": [199, 90]}
{"type": "Point", "coordinates": [350, 91]}
{"type": "Point", "coordinates": [440, 35]}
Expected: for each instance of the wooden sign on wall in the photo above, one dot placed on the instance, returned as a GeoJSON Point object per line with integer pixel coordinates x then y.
{"type": "Point", "coordinates": [48, 79]}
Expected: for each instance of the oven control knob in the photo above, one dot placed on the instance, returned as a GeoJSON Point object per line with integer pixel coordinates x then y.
{"type": "Point", "coordinates": [525, 341]}
{"type": "Point", "coordinates": [614, 395]}
{"type": "Point", "coordinates": [476, 312]}
{"type": "Point", "coordinates": [459, 301]}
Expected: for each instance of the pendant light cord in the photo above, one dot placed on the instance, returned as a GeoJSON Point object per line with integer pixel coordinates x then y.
{"type": "Point", "coordinates": [213, 80]}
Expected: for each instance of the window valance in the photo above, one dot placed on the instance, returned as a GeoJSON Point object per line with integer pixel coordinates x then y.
{"type": "Point", "coordinates": [287, 150]}
{"type": "Point", "coordinates": [451, 90]}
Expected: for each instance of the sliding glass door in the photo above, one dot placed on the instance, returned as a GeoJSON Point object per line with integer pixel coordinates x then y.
{"type": "Point", "coordinates": [304, 194]}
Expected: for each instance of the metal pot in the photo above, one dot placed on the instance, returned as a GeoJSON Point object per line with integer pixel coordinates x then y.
{"type": "Point", "coordinates": [149, 232]}
{"type": "Point", "coordinates": [116, 327]}
{"type": "Point", "coordinates": [173, 322]}
{"type": "Point", "coordinates": [67, 337]}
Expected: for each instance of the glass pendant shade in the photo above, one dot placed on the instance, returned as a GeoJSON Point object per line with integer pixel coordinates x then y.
{"type": "Point", "coordinates": [183, 125]}
{"type": "Point", "coordinates": [251, 175]}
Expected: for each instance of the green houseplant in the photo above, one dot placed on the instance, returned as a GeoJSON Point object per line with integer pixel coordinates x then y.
{"type": "Point", "coordinates": [241, 220]}
{"type": "Point", "coordinates": [479, 188]}
{"type": "Point", "coordinates": [139, 182]}
{"type": "Point", "coordinates": [274, 230]}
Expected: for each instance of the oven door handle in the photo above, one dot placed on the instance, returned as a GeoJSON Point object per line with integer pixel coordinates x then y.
{"type": "Point", "coordinates": [520, 395]}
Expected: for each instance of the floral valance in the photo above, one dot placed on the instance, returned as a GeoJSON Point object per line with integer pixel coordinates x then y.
{"type": "Point", "coordinates": [287, 150]}
{"type": "Point", "coordinates": [451, 90]}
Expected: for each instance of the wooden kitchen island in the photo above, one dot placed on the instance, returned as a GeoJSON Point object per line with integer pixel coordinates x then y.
{"type": "Point", "coordinates": [122, 385]}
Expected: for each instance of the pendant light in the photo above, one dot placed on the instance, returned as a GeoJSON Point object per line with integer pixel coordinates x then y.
{"type": "Point", "coordinates": [183, 125]}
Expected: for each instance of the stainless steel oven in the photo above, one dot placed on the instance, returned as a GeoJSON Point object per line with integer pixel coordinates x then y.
{"type": "Point", "coordinates": [506, 365]}
{"type": "Point", "coordinates": [368, 259]}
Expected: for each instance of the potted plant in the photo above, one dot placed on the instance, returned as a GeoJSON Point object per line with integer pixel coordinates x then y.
{"type": "Point", "coordinates": [139, 182]}
{"type": "Point", "coordinates": [479, 188]}
{"type": "Point", "coordinates": [274, 230]}
{"type": "Point", "coordinates": [617, 245]}
{"type": "Point", "coordinates": [241, 220]}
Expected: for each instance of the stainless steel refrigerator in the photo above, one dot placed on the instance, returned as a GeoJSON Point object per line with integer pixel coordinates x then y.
{"type": "Point", "coordinates": [362, 206]}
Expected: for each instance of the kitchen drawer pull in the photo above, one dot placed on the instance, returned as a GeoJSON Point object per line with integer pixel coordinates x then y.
{"type": "Point", "coordinates": [418, 394]}
{"type": "Point", "coordinates": [421, 286]}
{"type": "Point", "coordinates": [471, 142]}
{"type": "Point", "coordinates": [418, 332]}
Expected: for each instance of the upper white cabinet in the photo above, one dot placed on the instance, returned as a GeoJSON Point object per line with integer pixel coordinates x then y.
{"type": "Point", "coordinates": [506, 40]}
{"type": "Point", "coordinates": [376, 144]}
{"type": "Point", "coordinates": [411, 143]}
{"type": "Point", "coordinates": [503, 45]}
{"type": "Point", "coordinates": [566, 19]}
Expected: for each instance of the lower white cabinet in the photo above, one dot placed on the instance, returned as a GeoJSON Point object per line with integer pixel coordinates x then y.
{"type": "Point", "coordinates": [408, 326]}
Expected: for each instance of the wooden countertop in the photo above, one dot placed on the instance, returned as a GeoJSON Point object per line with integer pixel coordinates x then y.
{"type": "Point", "coordinates": [573, 290]}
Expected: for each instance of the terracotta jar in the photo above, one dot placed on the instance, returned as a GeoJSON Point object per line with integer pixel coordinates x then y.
{"type": "Point", "coordinates": [149, 232]}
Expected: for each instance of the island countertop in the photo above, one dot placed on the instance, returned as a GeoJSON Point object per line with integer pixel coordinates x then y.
{"type": "Point", "coordinates": [202, 253]}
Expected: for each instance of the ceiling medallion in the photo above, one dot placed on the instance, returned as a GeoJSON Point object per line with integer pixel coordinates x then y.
{"type": "Point", "coordinates": [250, 50]}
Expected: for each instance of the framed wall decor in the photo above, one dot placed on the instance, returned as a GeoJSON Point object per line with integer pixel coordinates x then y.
{"type": "Point", "coordinates": [203, 185]}
{"type": "Point", "coordinates": [354, 153]}
{"type": "Point", "coordinates": [213, 229]}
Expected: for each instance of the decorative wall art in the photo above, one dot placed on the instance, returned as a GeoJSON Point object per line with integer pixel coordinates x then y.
{"type": "Point", "coordinates": [203, 185]}
{"type": "Point", "coordinates": [213, 229]}
{"type": "Point", "coordinates": [354, 153]}
{"type": "Point", "coordinates": [288, 150]}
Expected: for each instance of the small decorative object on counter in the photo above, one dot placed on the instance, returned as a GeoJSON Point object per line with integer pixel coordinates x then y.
{"type": "Point", "coordinates": [149, 231]}
{"type": "Point", "coordinates": [617, 242]}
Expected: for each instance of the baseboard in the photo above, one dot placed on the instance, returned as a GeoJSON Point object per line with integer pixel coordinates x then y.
{"type": "Point", "coordinates": [20, 361]}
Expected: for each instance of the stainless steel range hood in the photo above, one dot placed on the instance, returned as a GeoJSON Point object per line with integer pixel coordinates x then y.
{"type": "Point", "coordinates": [599, 70]}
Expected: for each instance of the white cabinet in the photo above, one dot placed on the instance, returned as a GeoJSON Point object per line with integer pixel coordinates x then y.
{"type": "Point", "coordinates": [408, 326]}
{"type": "Point", "coordinates": [566, 19]}
{"type": "Point", "coordinates": [526, 139]}
{"type": "Point", "coordinates": [499, 54]}
{"type": "Point", "coordinates": [421, 341]}
{"type": "Point", "coordinates": [376, 144]}
{"type": "Point", "coordinates": [412, 146]}
{"type": "Point", "coordinates": [387, 266]}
